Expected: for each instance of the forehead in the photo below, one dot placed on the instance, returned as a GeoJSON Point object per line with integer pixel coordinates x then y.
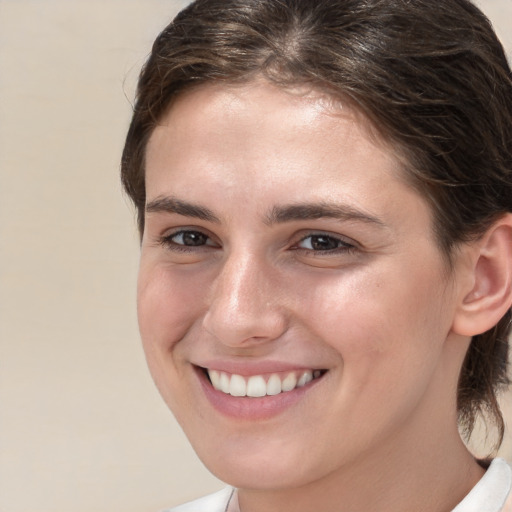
{"type": "Point", "coordinates": [261, 114]}
{"type": "Point", "coordinates": [301, 103]}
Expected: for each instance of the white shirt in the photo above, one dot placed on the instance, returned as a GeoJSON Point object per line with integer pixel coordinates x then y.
{"type": "Point", "coordinates": [489, 495]}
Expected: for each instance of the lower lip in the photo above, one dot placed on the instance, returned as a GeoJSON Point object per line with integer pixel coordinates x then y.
{"type": "Point", "coordinates": [252, 408]}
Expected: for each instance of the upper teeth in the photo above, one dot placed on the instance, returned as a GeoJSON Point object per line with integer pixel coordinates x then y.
{"type": "Point", "coordinates": [259, 385]}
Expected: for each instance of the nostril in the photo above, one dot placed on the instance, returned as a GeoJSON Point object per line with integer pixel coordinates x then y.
{"type": "Point", "coordinates": [242, 329]}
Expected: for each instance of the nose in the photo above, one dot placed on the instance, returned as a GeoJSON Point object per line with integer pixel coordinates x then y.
{"type": "Point", "coordinates": [243, 303]}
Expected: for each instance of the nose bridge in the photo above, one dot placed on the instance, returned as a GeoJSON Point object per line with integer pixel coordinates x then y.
{"type": "Point", "coordinates": [242, 301]}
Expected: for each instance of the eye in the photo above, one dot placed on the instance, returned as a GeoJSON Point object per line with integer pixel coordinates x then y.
{"type": "Point", "coordinates": [324, 242]}
{"type": "Point", "coordinates": [187, 238]}
{"type": "Point", "coordinates": [190, 238]}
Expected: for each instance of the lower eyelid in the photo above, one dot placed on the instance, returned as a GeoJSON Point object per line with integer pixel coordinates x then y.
{"type": "Point", "coordinates": [327, 252]}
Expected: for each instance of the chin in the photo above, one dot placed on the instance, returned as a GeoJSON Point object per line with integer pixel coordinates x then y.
{"type": "Point", "coordinates": [259, 462]}
{"type": "Point", "coordinates": [247, 473]}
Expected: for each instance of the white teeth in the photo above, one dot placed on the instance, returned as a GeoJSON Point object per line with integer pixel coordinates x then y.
{"type": "Point", "coordinates": [274, 385]}
{"type": "Point", "coordinates": [304, 379]}
{"type": "Point", "coordinates": [237, 386]}
{"type": "Point", "coordinates": [224, 383]}
{"type": "Point", "coordinates": [289, 383]}
{"type": "Point", "coordinates": [257, 386]}
{"type": "Point", "coordinates": [215, 378]}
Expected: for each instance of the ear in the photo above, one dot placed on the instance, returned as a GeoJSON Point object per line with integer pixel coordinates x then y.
{"type": "Point", "coordinates": [490, 290]}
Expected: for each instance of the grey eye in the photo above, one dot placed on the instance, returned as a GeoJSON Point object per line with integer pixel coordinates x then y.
{"type": "Point", "coordinates": [190, 238]}
{"type": "Point", "coordinates": [321, 243]}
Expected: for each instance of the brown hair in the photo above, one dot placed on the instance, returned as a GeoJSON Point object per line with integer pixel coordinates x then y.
{"type": "Point", "coordinates": [431, 76]}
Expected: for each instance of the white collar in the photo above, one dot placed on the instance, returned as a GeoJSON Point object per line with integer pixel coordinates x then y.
{"type": "Point", "coordinates": [491, 491]}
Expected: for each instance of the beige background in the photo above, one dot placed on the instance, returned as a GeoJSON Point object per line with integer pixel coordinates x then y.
{"type": "Point", "coordinates": [81, 426]}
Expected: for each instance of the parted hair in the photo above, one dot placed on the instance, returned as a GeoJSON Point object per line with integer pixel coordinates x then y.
{"type": "Point", "coordinates": [431, 77]}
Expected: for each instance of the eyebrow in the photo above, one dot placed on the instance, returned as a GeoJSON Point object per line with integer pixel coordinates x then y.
{"type": "Point", "coordinates": [307, 211]}
{"type": "Point", "coordinates": [173, 205]}
{"type": "Point", "coordinates": [277, 215]}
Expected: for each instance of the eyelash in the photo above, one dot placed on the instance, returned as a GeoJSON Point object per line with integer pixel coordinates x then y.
{"type": "Point", "coordinates": [168, 242]}
{"type": "Point", "coordinates": [343, 246]}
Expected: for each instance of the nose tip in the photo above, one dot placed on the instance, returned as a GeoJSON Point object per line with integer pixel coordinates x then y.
{"type": "Point", "coordinates": [243, 307]}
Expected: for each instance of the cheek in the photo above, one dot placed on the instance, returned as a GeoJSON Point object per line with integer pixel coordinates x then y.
{"type": "Point", "coordinates": [167, 304]}
{"type": "Point", "coordinates": [389, 344]}
{"type": "Point", "coordinates": [385, 327]}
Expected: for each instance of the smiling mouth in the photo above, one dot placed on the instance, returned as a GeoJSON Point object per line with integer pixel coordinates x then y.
{"type": "Point", "coordinates": [261, 385]}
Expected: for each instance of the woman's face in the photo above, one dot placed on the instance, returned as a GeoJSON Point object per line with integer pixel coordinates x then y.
{"type": "Point", "coordinates": [284, 258]}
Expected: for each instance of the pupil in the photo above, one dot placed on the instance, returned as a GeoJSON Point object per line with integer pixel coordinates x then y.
{"type": "Point", "coordinates": [324, 243]}
{"type": "Point", "coordinates": [193, 238]}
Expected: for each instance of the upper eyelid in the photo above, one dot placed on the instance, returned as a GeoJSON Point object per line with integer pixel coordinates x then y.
{"type": "Point", "coordinates": [170, 232]}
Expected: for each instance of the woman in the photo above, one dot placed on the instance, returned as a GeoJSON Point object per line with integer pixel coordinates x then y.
{"type": "Point", "coordinates": [324, 194]}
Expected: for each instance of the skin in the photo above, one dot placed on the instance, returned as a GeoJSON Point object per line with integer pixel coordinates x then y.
{"type": "Point", "coordinates": [377, 311]}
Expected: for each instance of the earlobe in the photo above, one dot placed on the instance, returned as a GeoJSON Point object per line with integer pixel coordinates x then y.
{"type": "Point", "coordinates": [491, 293]}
